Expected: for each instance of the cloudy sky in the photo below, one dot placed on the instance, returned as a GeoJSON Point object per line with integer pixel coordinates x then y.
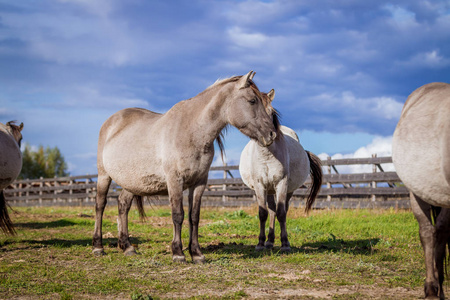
{"type": "Point", "coordinates": [341, 69]}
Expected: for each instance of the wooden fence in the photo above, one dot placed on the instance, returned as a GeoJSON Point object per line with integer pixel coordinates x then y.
{"type": "Point", "coordinates": [376, 188]}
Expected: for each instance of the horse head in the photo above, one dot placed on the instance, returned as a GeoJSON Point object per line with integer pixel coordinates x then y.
{"type": "Point", "coordinates": [15, 131]}
{"type": "Point", "coordinates": [247, 112]}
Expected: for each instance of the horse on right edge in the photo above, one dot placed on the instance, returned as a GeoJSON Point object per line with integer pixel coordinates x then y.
{"type": "Point", "coordinates": [421, 156]}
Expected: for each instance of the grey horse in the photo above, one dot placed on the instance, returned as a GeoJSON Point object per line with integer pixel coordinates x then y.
{"type": "Point", "coordinates": [421, 155]}
{"type": "Point", "coordinates": [10, 166]}
{"type": "Point", "coordinates": [148, 153]}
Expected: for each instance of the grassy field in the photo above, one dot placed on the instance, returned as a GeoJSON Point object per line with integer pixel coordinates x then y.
{"type": "Point", "coordinates": [337, 254]}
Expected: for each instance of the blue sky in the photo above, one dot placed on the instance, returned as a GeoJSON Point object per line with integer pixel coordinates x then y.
{"type": "Point", "coordinates": [341, 69]}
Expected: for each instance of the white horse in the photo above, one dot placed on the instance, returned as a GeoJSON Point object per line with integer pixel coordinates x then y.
{"type": "Point", "coordinates": [278, 170]}
{"type": "Point", "coordinates": [421, 155]}
{"type": "Point", "coordinates": [10, 166]}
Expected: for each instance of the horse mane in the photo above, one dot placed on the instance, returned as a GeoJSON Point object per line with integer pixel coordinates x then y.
{"type": "Point", "coordinates": [220, 138]}
{"type": "Point", "coordinates": [220, 82]}
{"type": "Point", "coordinates": [276, 115]}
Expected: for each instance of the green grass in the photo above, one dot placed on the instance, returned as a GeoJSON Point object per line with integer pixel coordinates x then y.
{"type": "Point", "coordinates": [348, 254]}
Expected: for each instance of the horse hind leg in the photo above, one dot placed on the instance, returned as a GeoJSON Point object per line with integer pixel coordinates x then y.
{"type": "Point", "coordinates": [427, 233]}
{"type": "Point", "coordinates": [103, 184]}
{"type": "Point", "coordinates": [281, 212]}
{"type": "Point", "coordinates": [442, 239]}
{"type": "Point", "coordinates": [124, 203]}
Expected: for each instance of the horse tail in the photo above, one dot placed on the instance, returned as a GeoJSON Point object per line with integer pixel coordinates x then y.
{"type": "Point", "coordinates": [5, 222]}
{"type": "Point", "coordinates": [315, 166]}
{"type": "Point", "coordinates": [139, 201]}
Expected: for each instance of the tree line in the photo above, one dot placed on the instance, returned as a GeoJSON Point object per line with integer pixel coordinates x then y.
{"type": "Point", "coordinates": [42, 162]}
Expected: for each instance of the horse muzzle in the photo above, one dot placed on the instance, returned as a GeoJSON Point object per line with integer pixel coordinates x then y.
{"type": "Point", "coordinates": [266, 142]}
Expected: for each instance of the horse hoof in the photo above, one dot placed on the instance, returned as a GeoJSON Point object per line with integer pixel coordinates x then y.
{"type": "Point", "coordinates": [199, 259]}
{"type": "Point", "coordinates": [268, 245]}
{"type": "Point", "coordinates": [285, 249]}
{"type": "Point", "coordinates": [259, 248]}
{"type": "Point", "coordinates": [130, 251]}
{"type": "Point", "coordinates": [98, 252]}
{"type": "Point", "coordinates": [178, 259]}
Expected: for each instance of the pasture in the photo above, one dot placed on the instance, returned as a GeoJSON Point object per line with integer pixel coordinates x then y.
{"type": "Point", "coordinates": [336, 254]}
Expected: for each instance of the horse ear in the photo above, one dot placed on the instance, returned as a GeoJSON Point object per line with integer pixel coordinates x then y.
{"type": "Point", "coordinates": [244, 82]}
{"type": "Point", "coordinates": [21, 126]}
{"type": "Point", "coordinates": [271, 94]}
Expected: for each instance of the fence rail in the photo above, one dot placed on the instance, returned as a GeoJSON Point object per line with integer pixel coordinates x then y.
{"type": "Point", "coordinates": [366, 189]}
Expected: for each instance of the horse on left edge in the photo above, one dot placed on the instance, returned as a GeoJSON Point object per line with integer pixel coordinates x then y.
{"type": "Point", "coordinates": [10, 166]}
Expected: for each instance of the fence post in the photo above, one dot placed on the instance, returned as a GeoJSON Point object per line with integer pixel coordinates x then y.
{"type": "Point", "coordinates": [27, 193]}
{"type": "Point", "coordinates": [224, 186]}
{"type": "Point", "coordinates": [55, 192]}
{"type": "Point", "coordinates": [70, 190]}
{"type": "Point", "coordinates": [374, 183]}
{"type": "Point", "coordinates": [41, 185]}
{"type": "Point", "coordinates": [329, 172]}
{"type": "Point", "coordinates": [87, 190]}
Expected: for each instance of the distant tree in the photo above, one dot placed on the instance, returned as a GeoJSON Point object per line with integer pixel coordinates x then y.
{"type": "Point", "coordinates": [47, 163]}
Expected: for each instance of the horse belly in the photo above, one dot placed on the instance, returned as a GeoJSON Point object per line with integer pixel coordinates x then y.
{"type": "Point", "coordinates": [139, 172]}
{"type": "Point", "coordinates": [298, 166]}
{"type": "Point", "coordinates": [419, 168]}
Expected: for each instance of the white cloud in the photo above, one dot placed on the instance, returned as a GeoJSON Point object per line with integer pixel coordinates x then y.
{"type": "Point", "coordinates": [430, 59]}
{"type": "Point", "coordinates": [360, 108]}
{"type": "Point", "coordinates": [381, 146]}
{"type": "Point", "coordinates": [92, 97]}
{"type": "Point", "coordinates": [246, 40]}
{"type": "Point", "coordinates": [254, 12]}
{"type": "Point", "coordinates": [401, 15]}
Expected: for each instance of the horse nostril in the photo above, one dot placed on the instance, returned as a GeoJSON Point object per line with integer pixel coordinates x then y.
{"type": "Point", "coordinates": [273, 135]}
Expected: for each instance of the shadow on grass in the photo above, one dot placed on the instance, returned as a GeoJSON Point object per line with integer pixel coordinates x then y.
{"type": "Point", "coordinates": [40, 225]}
{"type": "Point", "coordinates": [355, 247]}
{"type": "Point", "coordinates": [108, 243]}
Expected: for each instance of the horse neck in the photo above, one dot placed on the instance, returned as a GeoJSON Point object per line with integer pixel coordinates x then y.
{"type": "Point", "coordinates": [208, 113]}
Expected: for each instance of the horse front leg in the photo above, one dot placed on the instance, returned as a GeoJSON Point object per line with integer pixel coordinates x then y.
{"type": "Point", "coordinates": [421, 211]}
{"type": "Point", "coordinates": [103, 184]}
{"type": "Point", "coordinates": [272, 213]}
{"type": "Point", "coordinates": [175, 189]}
{"type": "Point", "coordinates": [281, 211]}
{"type": "Point", "coordinates": [195, 197]}
{"type": "Point", "coordinates": [263, 213]}
{"type": "Point", "coordinates": [442, 238]}
{"type": "Point", "coordinates": [124, 203]}
{"type": "Point", "coordinates": [272, 217]}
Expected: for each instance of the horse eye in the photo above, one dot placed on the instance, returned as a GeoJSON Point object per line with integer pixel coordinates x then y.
{"type": "Point", "coordinates": [252, 101]}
